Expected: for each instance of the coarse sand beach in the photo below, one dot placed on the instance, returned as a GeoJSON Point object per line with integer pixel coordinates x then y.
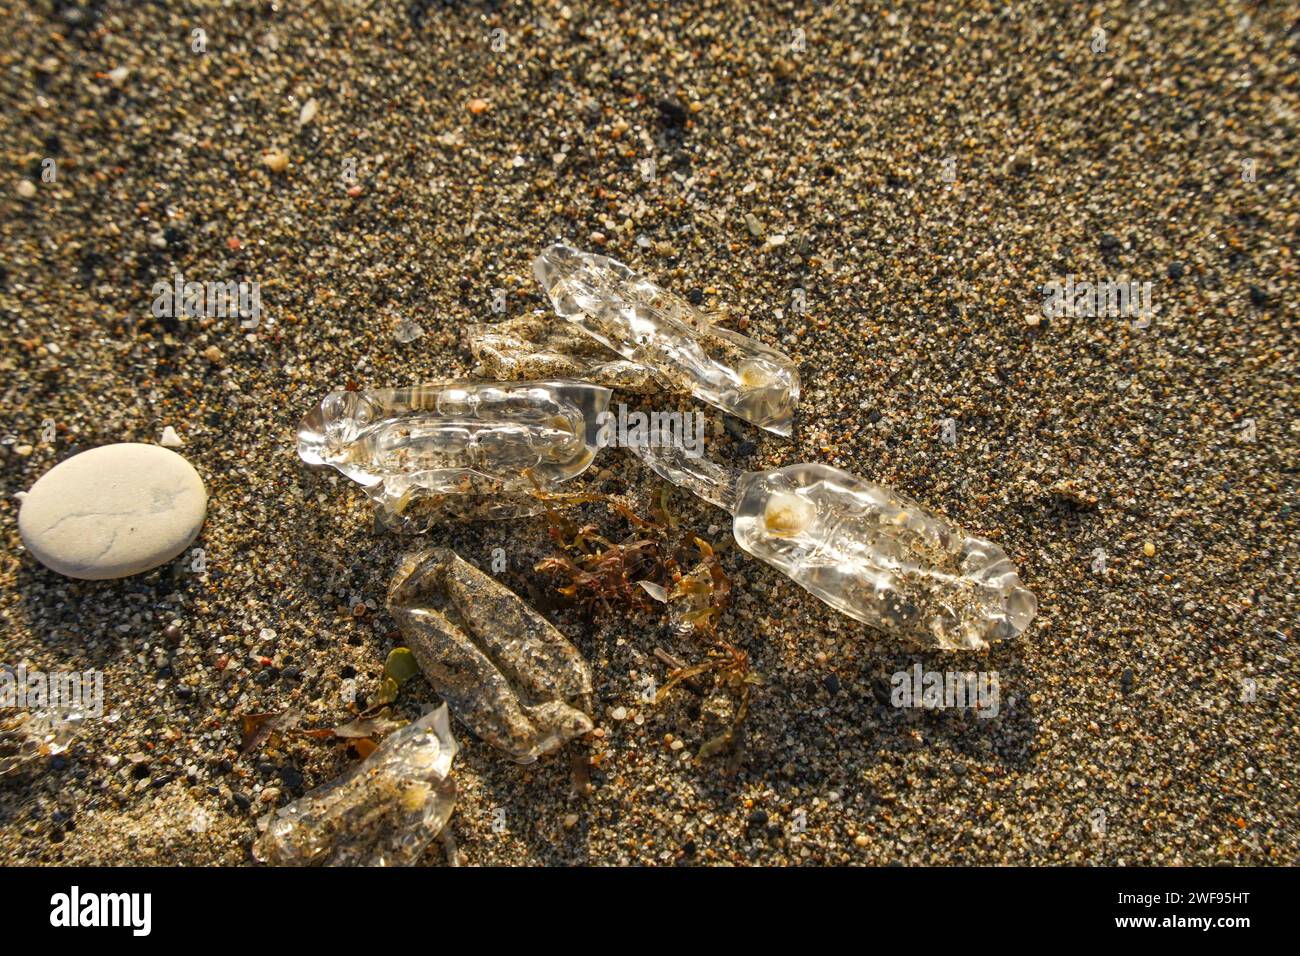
{"type": "Point", "coordinates": [879, 191]}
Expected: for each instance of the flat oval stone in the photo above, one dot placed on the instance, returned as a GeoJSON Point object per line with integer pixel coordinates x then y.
{"type": "Point", "coordinates": [113, 511]}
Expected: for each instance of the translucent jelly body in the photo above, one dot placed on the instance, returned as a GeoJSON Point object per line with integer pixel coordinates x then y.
{"type": "Point", "coordinates": [648, 325]}
{"type": "Point", "coordinates": [437, 433]}
{"type": "Point", "coordinates": [880, 557]}
{"type": "Point", "coordinates": [507, 673]}
{"type": "Point", "coordinates": [381, 812]}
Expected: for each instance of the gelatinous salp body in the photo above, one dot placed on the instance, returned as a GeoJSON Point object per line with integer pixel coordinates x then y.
{"type": "Point", "coordinates": [381, 812]}
{"type": "Point", "coordinates": [864, 549]}
{"type": "Point", "coordinates": [491, 442]}
{"type": "Point", "coordinates": [880, 557]}
{"type": "Point", "coordinates": [506, 672]}
{"type": "Point", "coordinates": [653, 327]}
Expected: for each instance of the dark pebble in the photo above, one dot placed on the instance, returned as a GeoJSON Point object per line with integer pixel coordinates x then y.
{"type": "Point", "coordinates": [672, 113]}
{"type": "Point", "coordinates": [290, 777]}
{"type": "Point", "coordinates": [1175, 270]}
{"type": "Point", "coordinates": [758, 818]}
{"type": "Point", "coordinates": [695, 296]}
{"type": "Point", "coordinates": [1258, 297]}
{"type": "Point", "coordinates": [832, 683]}
{"type": "Point", "coordinates": [1109, 243]}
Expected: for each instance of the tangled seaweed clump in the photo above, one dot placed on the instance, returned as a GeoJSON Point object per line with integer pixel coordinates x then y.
{"type": "Point", "coordinates": [647, 568]}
